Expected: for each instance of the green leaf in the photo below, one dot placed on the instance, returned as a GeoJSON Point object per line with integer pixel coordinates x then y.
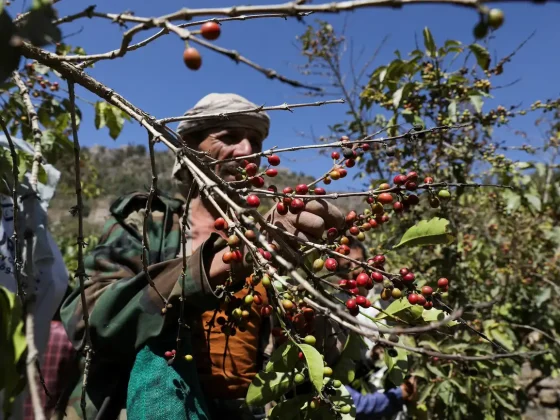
{"type": "Point", "coordinates": [402, 309]}
{"type": "Point", "coordinates": [314, 362]}
{"type": "Point", "coordinates": [444, 392]}
{"type": "Point", "coordinates": [436, 315]}
{"type": "Point", "coordinates": [426, 392]}
{"type": "Point", "coordinates": [435, 370]}
{"type": "Point", "coordinates": [283, 359]}
{"type": "Point", "coordinates": [289, 409]}
{"type": "Point", "coordinates": [427, 232]}
{"type": "Point", "coordinates": [353, 346]}
{"type": "Point", "coordinates": [397, 366]}
{"type": "Point", "coordinates": [534, 200]}
{"type": "Point", "coordinates": [114, 121]}
{"type": "Point", "coordinates": [476, 101]}
{"type": "Point", "coordinates": [269, 386]}
{"type": "Point", "coordinates": [100, 114]}
{"type": "Point", "coordinates": [482, 55]}
{"type": "Point", "coordinates": [429, 43]}
{"type": "Point", "coordinates": [543, 296]}
{"type": "Point", "coordinates": [502, 401]}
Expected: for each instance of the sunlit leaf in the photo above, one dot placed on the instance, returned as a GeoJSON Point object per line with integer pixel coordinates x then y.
{"type": "Point", "coordinates": [314, 362]}
{"type": "Point", "coordinates": [427, 232]}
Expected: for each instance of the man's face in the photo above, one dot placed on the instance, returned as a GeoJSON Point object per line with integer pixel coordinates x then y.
{"type": "Point", "coordinates": [229, 143]}
{"type": "Point", "coordinates": [350, 266]}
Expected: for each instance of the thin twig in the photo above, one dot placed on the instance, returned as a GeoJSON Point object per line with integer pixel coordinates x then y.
{"type": "Point", "coordinates": [256, 110]}
{"type": "Point", "coordinates": [80, 271]}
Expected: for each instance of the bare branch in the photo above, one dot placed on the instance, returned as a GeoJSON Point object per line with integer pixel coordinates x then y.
{"type": "Point", "coordinates": [262, 108]}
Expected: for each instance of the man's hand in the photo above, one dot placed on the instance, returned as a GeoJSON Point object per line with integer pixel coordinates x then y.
{"type": "Point", "coordinates": [310, 224]}
{"type": "Point", "coordinates": [409, 389]}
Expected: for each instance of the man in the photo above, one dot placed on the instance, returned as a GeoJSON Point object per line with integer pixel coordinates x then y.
{"type": "Point", "coordinates": [50, 276]}
{"type": "Point", "coordinates": [133, 335]}
{"type": "Point", "coordinates": [373, 404]}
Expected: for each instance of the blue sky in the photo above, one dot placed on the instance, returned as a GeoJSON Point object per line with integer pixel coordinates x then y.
{"type": "Point", "coordinates": [155, 78]}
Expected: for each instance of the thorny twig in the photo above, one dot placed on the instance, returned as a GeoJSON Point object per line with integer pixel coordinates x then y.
{"type": "Point", "coordinates": [256, 110]}
{"type": "Point", "coordinates": [80, 272]}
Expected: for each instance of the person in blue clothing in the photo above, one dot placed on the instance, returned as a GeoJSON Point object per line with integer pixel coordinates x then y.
{"type": "Point", "coordinates": [374, 404]}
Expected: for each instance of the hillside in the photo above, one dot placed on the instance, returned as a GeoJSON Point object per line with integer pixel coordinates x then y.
{"type": "Point", "coordinates": [109, 173]}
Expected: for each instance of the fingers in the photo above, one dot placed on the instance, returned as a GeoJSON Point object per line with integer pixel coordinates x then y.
{"type": "Point", "coordinates": [331, 214]}
{"type": "Point", "coordinates": [310, 224]}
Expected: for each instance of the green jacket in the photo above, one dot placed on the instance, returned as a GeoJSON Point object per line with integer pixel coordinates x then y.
{"type": "Point", "coordinates": [125, 312]}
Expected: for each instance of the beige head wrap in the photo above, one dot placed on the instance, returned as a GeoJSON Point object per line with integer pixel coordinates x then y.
{"type": "Point", "coordinates": [216, 104]}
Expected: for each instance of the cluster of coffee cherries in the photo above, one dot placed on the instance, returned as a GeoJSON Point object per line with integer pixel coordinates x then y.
{"type": "Point", "coordinates": [191, 56]}
{"type": "Point", "coordinates": [249, 172]}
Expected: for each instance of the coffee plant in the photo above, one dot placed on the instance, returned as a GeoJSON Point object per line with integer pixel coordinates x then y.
{"type": "Point", "coordinates": [440, 231]}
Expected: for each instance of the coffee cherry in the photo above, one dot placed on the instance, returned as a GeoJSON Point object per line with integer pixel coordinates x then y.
{"type": "Point", "coordinates": [332, 233]}
{"type": "Point", "coordinates": [442, 283]}
{"type": "Point", "coordinates": [318, 265]}
{"type": "Point", "coordinates": [227, 258]}
{"type": "Point", "coordinates": [302, 189]}
{"type": "Point", "coordinates": [299, 378]}
{"type": "Point", "coordinates": [253, 201]}
{"type": "Point", "coordinates": [421, 300]}
{"type": "Point", "coordinates": [412, 176]}
{"type": "Point", "coordinates": [351, 217]}
{"type": "Point", "coordinates": [428, 306]}
{"type": "Point", "coordinates": [287, 304]}
{"type": "Point", "coordinates": [327, 371]}
{"type": "Point", "coordinates": [331, 264]}
{"type": "Point", "coordinates": [384, 186]}
{"type": "Point", "coordinates": [348, 153]}
{"type": "Point", "coordinates": [188, 358]}
{"type": "Point", "coordinates": [248, 299]}
{"type": "Point", "coordinates": [398, 207]}
{"type": "Point", "coordinates": [428, 180]}
{"type": "Point", "coordinates": [266, 310]}
{"type": "Point", "coordinates": [210, 30]}
{"type": "Point", "coordinates": [345, 409]}
{"type": "Point", "coordinates": [377, 277]}
{"type": "Point", "coordinates": [396, 293]}
{"type": "Point", "coordinates": [434, 202]}
{"type": "Point", "coordinates": [350, 163]}
{"type": "Point", "coordinates": [408, 278]}
{"type": "Point", "coordinates": [327, 180]}
{"type": "Point", "coordinates": [336, 384]}
{"type": "Point", "coordinates": [412, 199]}
{"type": "Point", "coordinates": [220, 224]}
{"type": "Point", "coordinates": [251, 169]}
{"type": "Point", "coordinates": [361, 300]}
{"type": "Point", "coordinates": [257, 181]}
{"type": "Point", "coordinates": [386, 294]}
{"type": "Point", "coordinates": [266, 280]}
{"type": "Point", "coordinates": [319, 191]}
{"type": "Point", "coordinates": [281, 208]}
{"type": "Point", "coordinates": [369, 284]}
{"type": "Point", "coordinates": [362, 279]}
{"type": "Point", "coordinates": [343, 283]}
{"type": "Point", "coordinates": [335, 155]}
{"type": "Point", "coordinates": [257, 300]}
{"type": "Point", "coordinates": [344, 240]}
{"type": "Point", "coordinates": [351, 303]}
{"type": "Point", "coordinates": [354, 230]}
{"type": "Point", "coordinates": [379, 260]}
{"type": "Point", "coordinates": [168, 354]}
{"type": "Point", "coordinates": [342, 172]}
{"type": "Point", "coordinates": [233, 240]}
{"type": "Point", "coordinates": [335, 174]}
{"type": "Point", "coordinates": [288, 190]}
{"type": "Point", "coordinates": [404, 271]}
{"type": "Point", "coordinates": [444, 194]}
{"type": "Point", "coordinates": [413, 298]}
{"type": "Point", "coordinates": [271, 172]}
{"type": "Point", "coordinates": [411, 185]}
{"type": "Point", "coordinates": [373, 223]}
{"type": "Point", "coordinates": [495, 18]}
{"type": "Point", "coordinates": [192, 58]}
{"type": "Point", "coordinates": [351, 284]}
{"type": "Point", "coordinates": [297, 206]}
{"type": "Point", "coordinates": [427, 290]}
{"type": "Point", "coordinates": [399, 179]}
{"type": "Point", "coordinates": [311, 340]}
{"type": "Point", "coordinates": [274, 160]}
{"type": "Point", "coordinates": [385, 198]}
